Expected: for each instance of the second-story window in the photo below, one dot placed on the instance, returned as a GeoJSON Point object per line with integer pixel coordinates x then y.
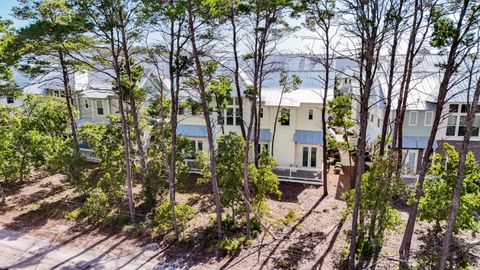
{"type": "Point", "coordinates": [310, 114]}
{"type": "Point", "coordinates": [261, 112]}
{"type": "Point", "coordinates": [428, 118]}
{"type": "Point", "coordinates": [181, 110]}
{"type": "Point", "coordinates": [285, 117]}
{"type": "Point", "coordinates": [10, 100]}
{"type": "Point", "coordinates": [86, 103]}
{"type": "Point", "coordinates": [457, 121]}
{"type": "Point", "coordinates": [100, 107]}
{"type": "Point", "coordinates": [233, 116]}
{"type": "Point", "coordinates": [412, 121]}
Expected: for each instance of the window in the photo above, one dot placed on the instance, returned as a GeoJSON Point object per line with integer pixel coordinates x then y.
{"type": "Point", "coordinates": [313, 157]}
{"type": "Point", "coordinates": [285, 117]}
{"type": "Point", "coordinates": [86, 103]}
{"type": "Point", "coordinates": [451, 125]}
{"type": "Point", "coordinates": [229, 116]}
{"type": "Point", "coordinates": [181, 110]}
{"type": "Point", "coordinates": [453, 108]}
{"type": "Point", "coordinates": [10, 100]}
{"type": "Point", "coordinates": [305, 157]}
{"type": "Point", "coordinates": [412, 121]}
{"type": "Point", "coordinates": [371, 117]}
{"type": "Point", "coordinates": [233, 116]}
{"type": "Point", "coordinates": [261, 112]}
{"type": "Point", "coordinates": [476, 126]}
{"type": "Point", "coordinates": [238, 117]}
{"type": "Point", "coordinates": [263, 147]}
{"type": "Point", "coordinates": [462, 126]}
{"type": "Point", "coordinates": [410, 162]}
{"type": "Point", "coordinates": [195, 147]}
{"type": "Point", "coordinates": [100, 107]}
{"type": "Point", "coordinates": [428, 118]}
{"type": "Point", "coordinates": [310, 114]}
{"type": "Point", "coordinates": [463, 108]}
{"type": "Point", "coordinates": [309, 156]}
{"type": "Point", "coordinates": [378, 122]}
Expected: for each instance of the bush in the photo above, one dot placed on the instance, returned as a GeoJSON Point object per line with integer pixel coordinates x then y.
{"type": "Point", "coordinates": [232, 245]}
{"type": "Point", "coordinates": [96, 208]}
{"type": "Point", "coordinates": [163, 216]}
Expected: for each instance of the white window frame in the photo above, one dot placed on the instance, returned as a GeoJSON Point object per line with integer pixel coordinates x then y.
{"type": "Point", "coordinates": [406, 154]}
{"type": "Point", "coordinates": [410, 118]}
{"type": "Point", "coordinates": [431, 119]}
{"type": "Point", "coordinates": [103, 106]}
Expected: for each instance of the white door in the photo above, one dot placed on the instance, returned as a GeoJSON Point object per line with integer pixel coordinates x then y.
{"type": "Point", "coordinates": [309, 156]}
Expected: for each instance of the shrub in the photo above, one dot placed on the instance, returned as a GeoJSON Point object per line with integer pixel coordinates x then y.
{"type": "Point", "coordinates": [232, 245]}
{"type": "Point", "coordinates": [163, 216]}
{"type": "Point", "coordinates": [96, 208]}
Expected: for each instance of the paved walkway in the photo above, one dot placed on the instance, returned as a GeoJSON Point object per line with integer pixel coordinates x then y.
{"type": "Point", "coordinates": [22, 251]}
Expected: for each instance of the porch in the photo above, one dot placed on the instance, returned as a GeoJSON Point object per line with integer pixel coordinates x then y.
{"type": "Point", "coordinates": [311, 176]}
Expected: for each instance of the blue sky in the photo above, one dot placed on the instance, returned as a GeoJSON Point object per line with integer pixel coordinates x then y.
{"type": "Point", "coordinates": [293, 44]}
{"type": "Point", "coordinates": [6, 10]}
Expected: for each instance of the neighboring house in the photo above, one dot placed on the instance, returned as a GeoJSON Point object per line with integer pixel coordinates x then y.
{"type": "Point", "coordinates": [297, 147]}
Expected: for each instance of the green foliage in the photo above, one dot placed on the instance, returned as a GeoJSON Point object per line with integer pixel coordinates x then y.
{"type": "Point", "coordinates": [232, 245]}
{"type": "Point", "coordinates": [8, 58]}
{"type": "Point", "coordinates": [230, 156]}
{"type": "Point", "coordinates": [163, 216]}
{"type": "Point", "coordinates": [96, 208]}
{"type": "Point", "coordinates": [265, 181]}
{"type": "Point", "coordinates": [379, 186]}
{"type": "Point", "coordinates": [439, 186]}
{"type": "Point", "coordinates": [340, 112]}
{"type": "Point", "coordinates": [107, 143]}
{"type": "Point", "coordinates": [289, 217]}
{"type": "Point", "coordinates": [33, 136]}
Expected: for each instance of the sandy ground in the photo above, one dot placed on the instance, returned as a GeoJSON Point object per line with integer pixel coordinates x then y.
{"type": "Point", "coordinates": [35, 235]}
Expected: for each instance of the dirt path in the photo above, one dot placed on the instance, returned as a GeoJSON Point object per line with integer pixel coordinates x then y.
{"type": "Point", "coordinates": [21, 251]}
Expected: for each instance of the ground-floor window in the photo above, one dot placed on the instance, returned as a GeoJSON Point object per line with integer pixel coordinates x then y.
{"type": "Point", "coordinates": [309, 156]}
{"type": "Point", "coordinates": [263, 146]}
{"type": "Point", "coordinates": [409, 161]}
{"type": "Point", "coordinates": [196, 146]}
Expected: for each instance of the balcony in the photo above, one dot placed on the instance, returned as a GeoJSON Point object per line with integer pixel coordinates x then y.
{"type": "Point", "coordinates": [311, 176]}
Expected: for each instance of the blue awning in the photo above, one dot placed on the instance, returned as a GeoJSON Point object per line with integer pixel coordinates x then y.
{"type": "Point", "coordinates": [192, 130]}
{"type": "Point", "coordinates": [416, 142]}
{"type": "Point", "coordinates": [308, 136]}
{"type": "Point", "coordinates": [265, 135]}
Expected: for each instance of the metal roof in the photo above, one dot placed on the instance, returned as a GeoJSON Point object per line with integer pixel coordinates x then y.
{"type": "Point", "coordinates": [308, 136]}
{"type": "Point", "coordinates": [192, 130]}
{"type": "Point", "coordinates": [416, 142]}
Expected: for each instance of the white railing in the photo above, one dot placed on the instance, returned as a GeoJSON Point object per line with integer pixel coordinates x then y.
{"type": "Point", "coordinates": [313, 176]}
{"type": "Point", "coordinates": [88, 155]}
{"type": "Point", "coordinates": [192, 164]}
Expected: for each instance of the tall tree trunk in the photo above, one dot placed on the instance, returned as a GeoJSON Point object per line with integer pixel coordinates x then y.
{"type": "Point", "coordinates": [450, 67]}
{"type": "Point", "coordinates": [391, 73]}
{"type": "Point", "coordinates": [3, 198]}
{"type": "Point", "coordinates": [128, 165]}
{"type": "Point", "coordinates": [324, 115]}
{"type": "Point", "coordinates": [457, 192]}
{"type": "Point", "coordinates": [173, 119]}
{"type": "Point", "coordinates": [208, 122]}
{"type": "Point", "coordinates": [68, 99]}
{"type": "Point", "coordinates": [131, 97]}
{"type": "Point", "coordinates": [236, 74]}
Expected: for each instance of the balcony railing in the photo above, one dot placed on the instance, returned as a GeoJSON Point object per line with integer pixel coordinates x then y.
{"type": "Point", "coordinates": [88, 155]}
{"type": "Point", "coordinates": [312, 176]}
